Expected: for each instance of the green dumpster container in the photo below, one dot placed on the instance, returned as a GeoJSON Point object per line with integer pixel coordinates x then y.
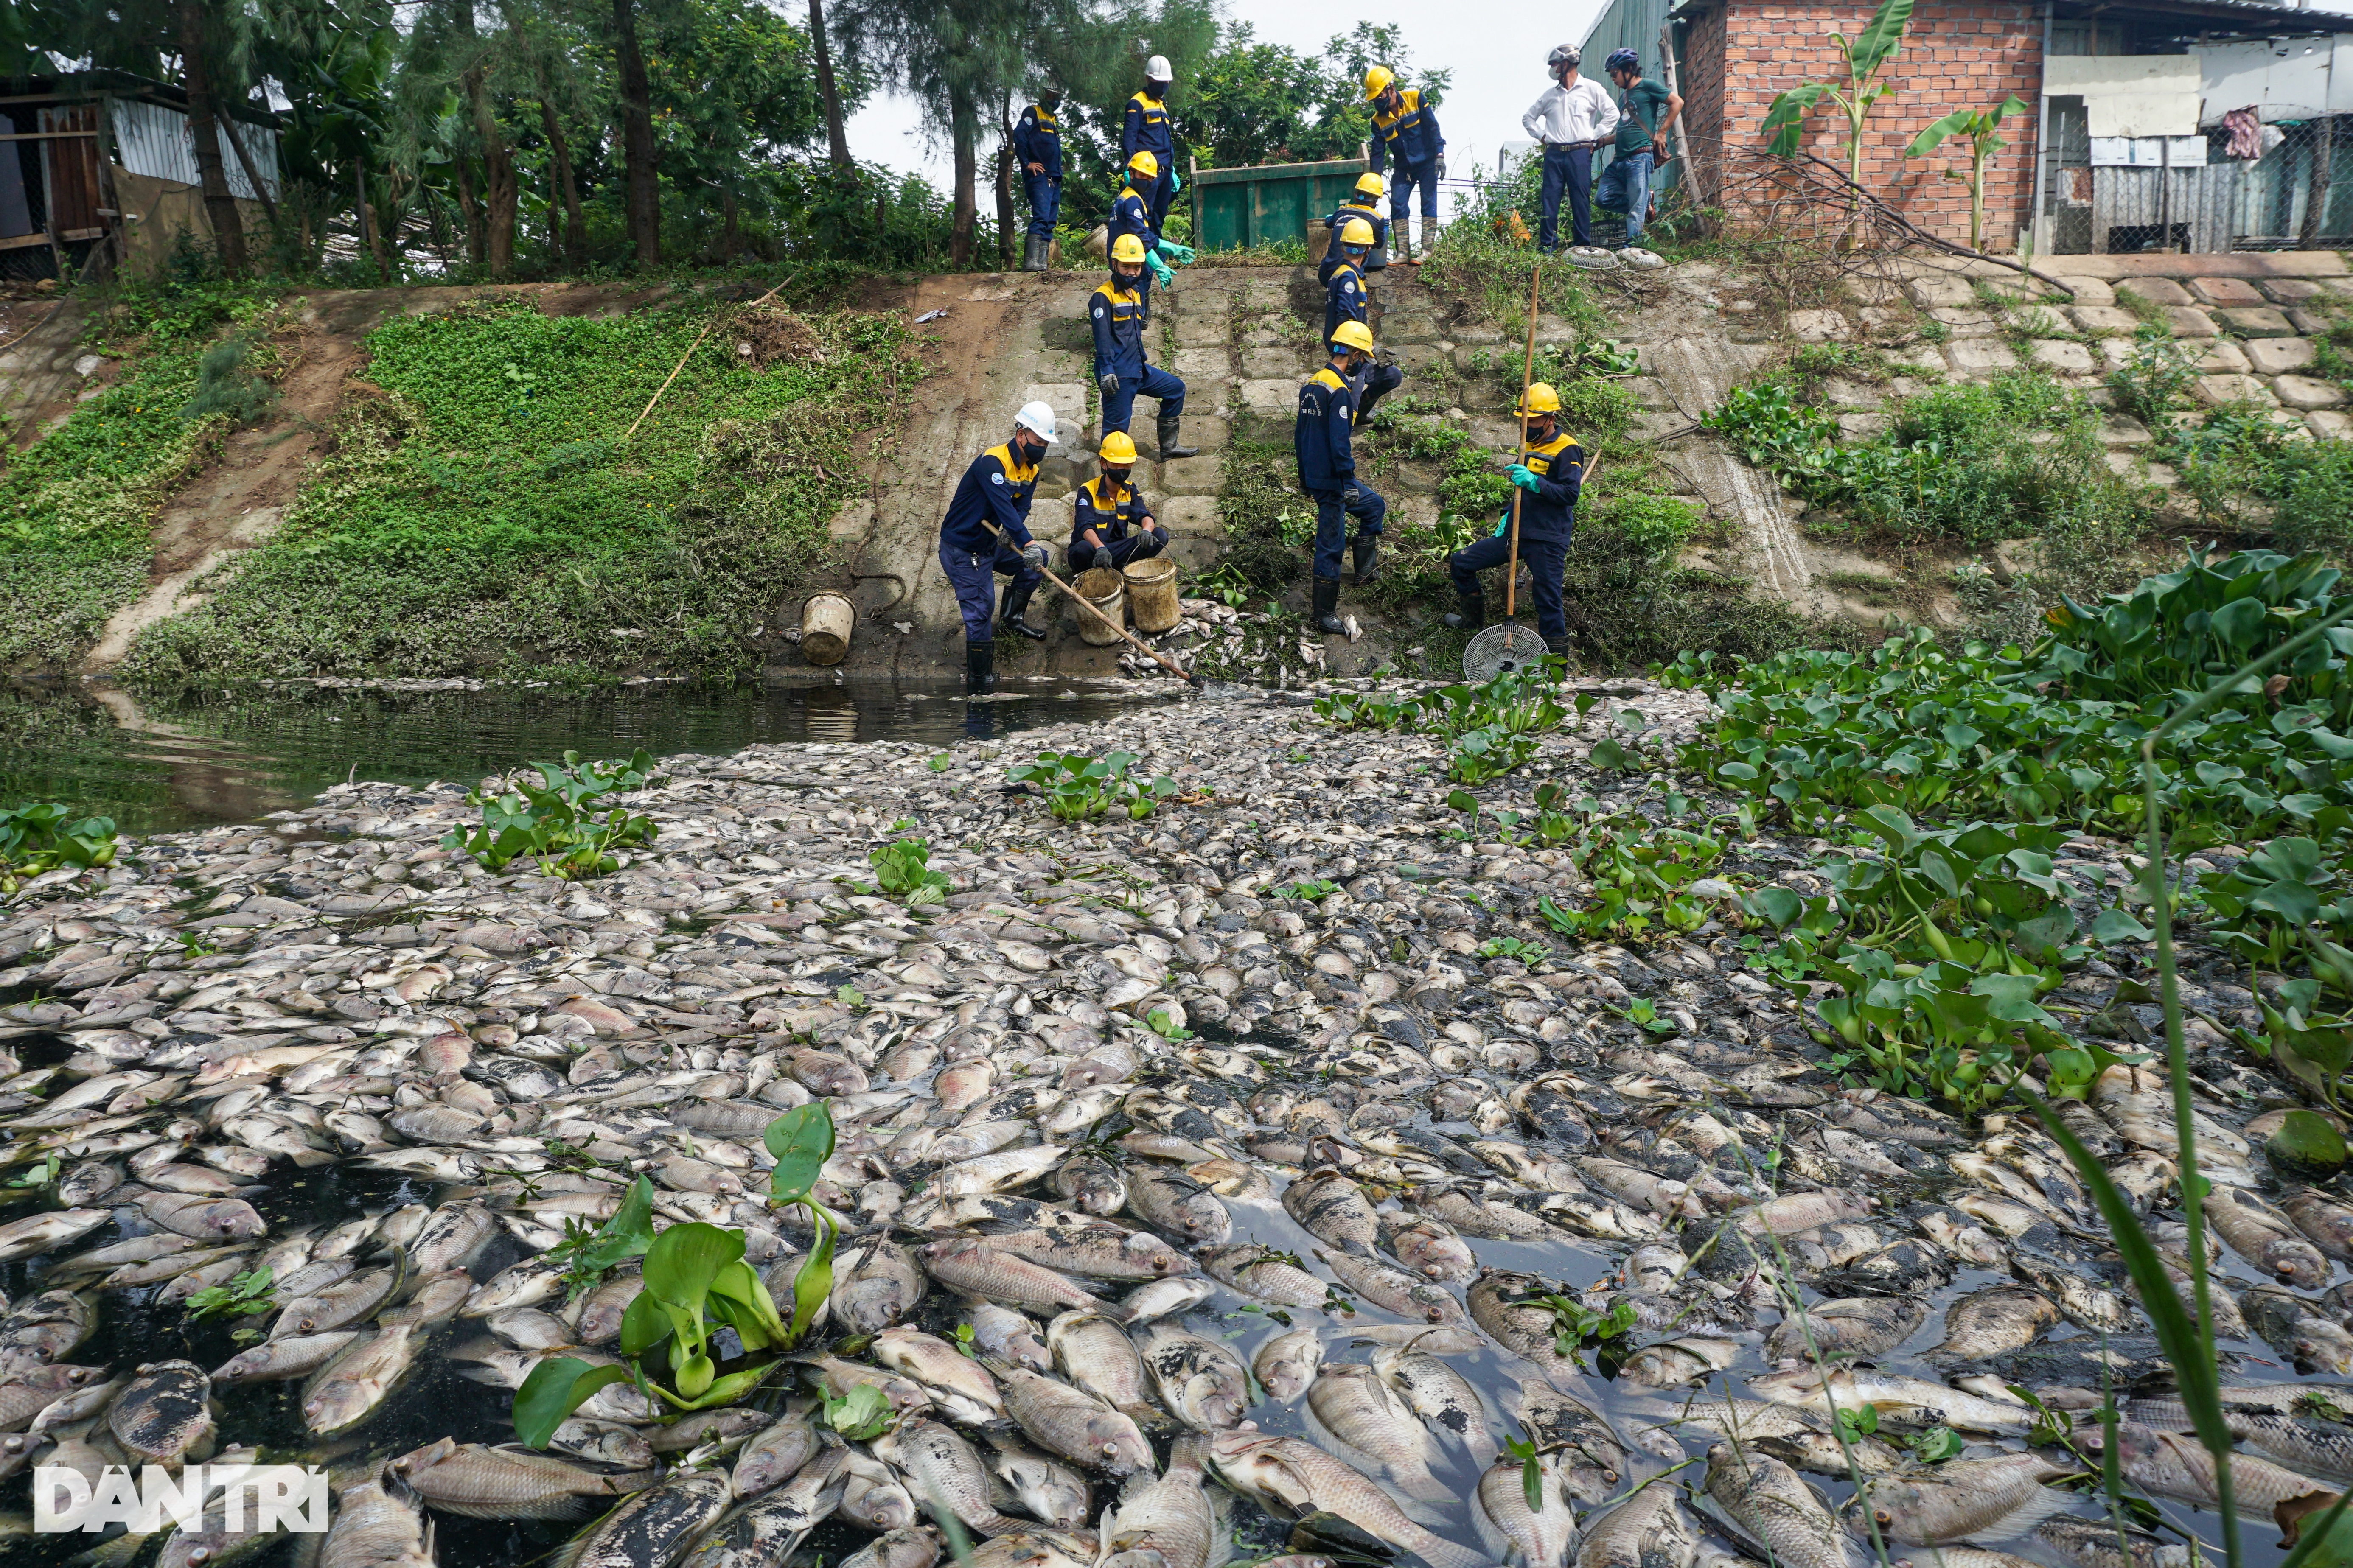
{"type": "Point", "coordinates": [1233, 208]}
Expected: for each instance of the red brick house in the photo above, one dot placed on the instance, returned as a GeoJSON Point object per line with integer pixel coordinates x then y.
{"type": "Point", "coordinates": [2181, 124]}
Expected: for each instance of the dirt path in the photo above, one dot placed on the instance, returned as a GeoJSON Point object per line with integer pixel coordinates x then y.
{"type": "Point", "coordinates": [239, 500]}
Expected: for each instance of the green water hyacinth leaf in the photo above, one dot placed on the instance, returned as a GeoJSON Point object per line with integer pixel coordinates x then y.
{"type": "Point", "coordinates": [2307, 1147]}
{"type": "Point", "coordinates": [801, 1140]}
{"type": "Point", "coordinates": [555, 1388]}
{"type": "Point", "coordinates": [685, 1258]}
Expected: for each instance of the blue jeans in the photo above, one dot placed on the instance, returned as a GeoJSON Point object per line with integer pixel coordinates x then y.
{"type": "Point", "coordinates": [1545, 558]}
{"type": "Point", "coordinates": [1155, 382]}
{"type": "Point", "coordinates": [974, 578]}
{"type": "Point", "coordinates": [1045, 200]}
{"type": "Point", "coordinates": [1625, 186]}
{"type": "Point", "coordinates": [1332, 515]}
{"type": "Point", "coordinates": [1569, 167]}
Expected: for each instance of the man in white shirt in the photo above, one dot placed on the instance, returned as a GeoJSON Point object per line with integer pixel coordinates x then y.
{"type": "Point", "coordinates": [1572, 119]}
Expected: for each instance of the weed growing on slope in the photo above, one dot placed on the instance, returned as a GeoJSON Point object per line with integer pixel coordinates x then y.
{"type": "Point", "coordinates": [1967, 464]}
{"type": "Point", "coordinates": [485, 513]}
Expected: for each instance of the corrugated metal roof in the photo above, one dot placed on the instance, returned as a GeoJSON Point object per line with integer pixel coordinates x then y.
{"type": "Point", "coordinates": [154, 141]}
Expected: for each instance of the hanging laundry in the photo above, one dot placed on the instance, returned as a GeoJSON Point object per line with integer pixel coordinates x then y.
{"type": "Point", "coordinates": [2246, 136]}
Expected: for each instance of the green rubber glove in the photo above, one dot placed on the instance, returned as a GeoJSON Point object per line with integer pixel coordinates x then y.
{"type": "Point", "coordinates": [1175, 186]}
{"type": "Point", "coordinates": [1160, 269]}
{"type": "Point", "coordinates": [1180, 254]}
{"type": "Point", "coordinates": [1503, 525]}
{"type": "Point", "coordinates": [1524, 477]}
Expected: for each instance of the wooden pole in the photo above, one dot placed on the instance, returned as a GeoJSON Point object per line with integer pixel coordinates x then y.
{"type": "Point", "coordinates": [682, 362]}
{"type": "Point", "coordinates": [1527, 375]}
{"type": "Point", "coordinates": [1146, 649]}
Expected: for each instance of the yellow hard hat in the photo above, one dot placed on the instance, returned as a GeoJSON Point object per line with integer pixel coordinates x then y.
{"type": "Point", "coordinates": [1540, 399]}
{"type": "Point", "coordinates": [1127, 247]}
{"type": "Point", "coordinates": [1377, 81]}
{"type": "Point", "coordinates": [1370, 184]}
{"type": "Point", "coordinates": [1352, 335]}
{"type": "Point", "coordinates": [1356, 231]}
{"type": "Point", "coordinates": [1117, 450]}
{"type": "Point", "coordinates": [1145, 163]}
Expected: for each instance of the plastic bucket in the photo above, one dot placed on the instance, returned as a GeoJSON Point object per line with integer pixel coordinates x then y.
{"type": "Point", "coordinates": [1106, 590]}
{"type": "Point", "coordinates": [826, 621]}
{"type": "Point", "coordinates": [1152, 593]}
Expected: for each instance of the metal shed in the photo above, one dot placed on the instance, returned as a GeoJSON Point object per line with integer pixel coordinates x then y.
{"type": "Point", "coordinates": [65, 139]}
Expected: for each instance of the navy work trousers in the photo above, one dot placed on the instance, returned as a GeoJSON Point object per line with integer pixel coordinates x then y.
{"type": "Point", "coordinates": [973, 577]}
{"type": "Point", "coordinates": [1120, 406]}
{"type": "Point", "coordinates": [1546, 557]}
{"type": "Point", "coordinates": [1332, 515]}
{"type": "Point", "coordinates": [1569, 169]}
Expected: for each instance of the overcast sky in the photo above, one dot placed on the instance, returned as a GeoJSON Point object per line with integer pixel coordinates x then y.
{"type": "Point", "coordinates": [1498, 66]}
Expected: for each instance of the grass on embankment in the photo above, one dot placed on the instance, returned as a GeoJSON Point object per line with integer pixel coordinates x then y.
{"type": "Point", "coordinates": [479, 512]}
{"type": "Point", "coordinates": [483, 513]}
{"type": "Point", "coordinates": [74, 507]}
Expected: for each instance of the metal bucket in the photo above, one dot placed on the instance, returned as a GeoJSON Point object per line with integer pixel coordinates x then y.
{"type": "Point", "coordinates": [826, 621]}
{"type": "Point", "coordinates": [1106, 590]}
{"type": "Point", "coordinates": [1152, 593]}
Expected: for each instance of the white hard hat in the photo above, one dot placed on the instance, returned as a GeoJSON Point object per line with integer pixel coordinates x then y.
{"type": "Point", "coordinates": [1038, 416]}
{"type": "Point", "coordinates": [1157, 69]}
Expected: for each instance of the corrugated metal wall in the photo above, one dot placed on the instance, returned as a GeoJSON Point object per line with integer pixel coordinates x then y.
{"type": "Point", "coordinates": [1625, 24]}
{"type": "Point", "coordinates": [154, 141]}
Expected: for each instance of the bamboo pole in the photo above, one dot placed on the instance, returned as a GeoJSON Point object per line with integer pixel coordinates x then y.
{"type": "Point", "coordinates": [684, 358]}
{"type": "Point", "coordinates": [1527, 375]}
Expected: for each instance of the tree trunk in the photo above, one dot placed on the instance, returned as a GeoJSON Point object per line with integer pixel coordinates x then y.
{"type": "Point", "coordinates": [567, 189]}
{"type": "Point", "coordinates": [498, 179]}
{"type": "Point", "coordinates": [470, 213]}
{"type": "Point", "coordinates": [638, 137]}
{"type": "Point", "coordinates": [964, 128]}
{"type": "Point", "coordinates": [730, 235]}
{"type": "Point", "coordinates": [836, 138]}
{"type": "Point", "coordinates": [220, 207]}
{"type": "Point", "coordinates": [1005, 200]}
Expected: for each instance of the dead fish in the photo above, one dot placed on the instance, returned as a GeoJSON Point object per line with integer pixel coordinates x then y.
{"type": "Point", "coordinates": [1286, 1363]}
{"type": "Point", "coordinates": [1303, 1478]}
{"type": "Point", "coordinates": [1966, 1500]}
{"type": "Point", "coordinates": [653, 1526]}
{"type": "Point", "coordinates": [1773, 1506]}
{"type": "Point", "coordinates": [1329, 1207]}
{"type": "Point", "coordinates": [1858, 1328]}
{"type": "Point", "coordinates": [1994, 1321]}
{"type": "Point", "coordinates": [973, 1267]}
{"type": "Point", "coordinates": [1079, 1426]}
{"type": "Point", "coordinates": [1442, 1397]}
{"type": "Point", "coordinates": [164, 1413]}
{"type": "Point", "coordinates": [1352, 1403]}
{"type": "Point", "coordinates": [1523, 1537]}
{"type": "Point", "coordinates": [474, 1481]}
{"type": "Point", "coordinates": [1199, 1380]}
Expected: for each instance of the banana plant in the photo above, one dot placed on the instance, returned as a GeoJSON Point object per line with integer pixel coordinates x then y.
{"type": "Point", "coordinates": [1983, 127]}
{"type": "Point", "coordinates": [1865, 53]}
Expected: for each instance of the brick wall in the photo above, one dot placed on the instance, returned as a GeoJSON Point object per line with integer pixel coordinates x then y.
{"type": "Point", "coordinates": [1740, 55]}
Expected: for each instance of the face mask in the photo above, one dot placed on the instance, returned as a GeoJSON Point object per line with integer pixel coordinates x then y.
{"type": "Point", "coordinates": [1115, 477]}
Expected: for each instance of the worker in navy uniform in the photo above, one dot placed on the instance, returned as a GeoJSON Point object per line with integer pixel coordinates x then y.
{"type": "Point", "coordinates": [996, 490]}
{"type": "Point", "coordinates": [1147, 130]}
{"type": "Point", "coordinates": [1549, 474]}
{"type": "Point", "coordinates": [1131, 213]}
{"type": "Point", "coordinates": [1344, 301]}
{"type": "Point", "coordinates": [1363, 203]}
{"type": "Point", "coordinates": [1328, 470]}
{"type": "Point", "coordinates": [1110, 524]}
{"type": "Point", "coordinates": [1038, 148]}
{"type": "Point", "coordinates": [1118, 313]}
{"type": "Point", "coordinates": [1406, 128]}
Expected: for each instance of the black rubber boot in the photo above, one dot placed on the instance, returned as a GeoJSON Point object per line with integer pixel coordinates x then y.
{"type": "Point", "coordinates": [979, 669]}
{"type": "Point", "coordinates": [1033, 254]}
{"type": "Point", "coordinates": [1560, 647]}
{"type": "Point", "coordinates": [1367, 549]}
{"type": "Point", "coordinates": [1327, 603]}
{"type": "Point", "coordinates": [1017, 599]}
{"type": "Point", "coordinates": [1469, 617]}
{"type": "Point", "coordinates": [1376, 260]}
{"type": "Point", "coordinates": [1169, 427]}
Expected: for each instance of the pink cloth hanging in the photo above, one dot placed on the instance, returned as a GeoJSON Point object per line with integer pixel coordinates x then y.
{"type": "Point", "coordinates": [2246, 136]}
